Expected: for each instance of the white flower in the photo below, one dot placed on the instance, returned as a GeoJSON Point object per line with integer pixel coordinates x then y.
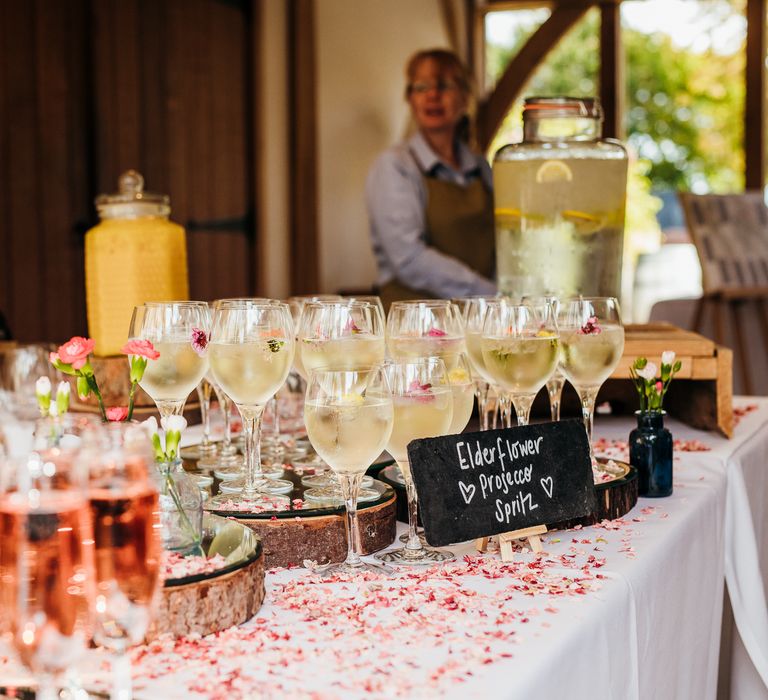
{"type": "Point", "coordinates": [150, 425]}
{"type": "Point", "coordinates": [43, 386]}
{"type": "Point", "coordinates": [668, 357]}
{"type": "Point", "coordinates": [173, 423]}
{"type": "Point", "coordinates": [648, 372]}
{"type": "Point", "coordinates": [63, 389]}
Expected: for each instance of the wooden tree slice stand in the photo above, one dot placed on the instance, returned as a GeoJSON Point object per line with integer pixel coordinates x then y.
{"type": "Point", "coordinates": [323, 538]}
{"type": "Point", "coordinates": [211, 602]}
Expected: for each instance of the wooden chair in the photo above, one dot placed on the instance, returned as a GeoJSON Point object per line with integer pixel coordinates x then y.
{"type": "Point", "coordinates": [730, 233]}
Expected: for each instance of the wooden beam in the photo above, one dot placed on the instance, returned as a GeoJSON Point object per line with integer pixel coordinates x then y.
{"type": "Point", "coordinates": [254, 138]}
{"type": "Point", "coordinates": [492, 111]}
{"type": "Point", "coordinates": [754, 108]}
{"type": "Point", "coordinates": [305, 274]}
{"type": "Point", "coordinates": [612, 86]}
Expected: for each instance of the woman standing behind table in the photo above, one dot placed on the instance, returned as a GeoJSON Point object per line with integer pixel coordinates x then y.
{"type": "Point", "coordinates": [429, 199]}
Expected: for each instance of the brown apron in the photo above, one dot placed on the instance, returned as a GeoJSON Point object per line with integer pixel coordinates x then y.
{"type": "Point", "coordinates": [459, 223]}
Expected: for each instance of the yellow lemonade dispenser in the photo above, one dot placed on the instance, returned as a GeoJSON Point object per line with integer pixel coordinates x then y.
{"type": "Point", "coordinates": [134, 254]}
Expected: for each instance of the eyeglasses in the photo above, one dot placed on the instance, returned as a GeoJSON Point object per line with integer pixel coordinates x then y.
{"type": "Point", "coordinates": [421, 88]}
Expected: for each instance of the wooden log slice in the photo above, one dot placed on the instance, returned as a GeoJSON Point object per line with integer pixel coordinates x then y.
{"type": "Point", "coordinates": [211, 605]}
{"type": "Point", "coordinates": [322, 538]}
{"type": "Point", "coordinates": [614, 499]}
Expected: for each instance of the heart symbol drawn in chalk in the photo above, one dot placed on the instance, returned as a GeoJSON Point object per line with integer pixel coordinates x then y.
{"type": "Point", "coordinates": [468, 492]}
{"type": "Point", "coordinates": [547, 485]}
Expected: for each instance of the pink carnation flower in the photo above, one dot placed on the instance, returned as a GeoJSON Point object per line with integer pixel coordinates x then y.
{"type": "Point", "coordinates": [142, 348]}
{"type": "Point", "coordinates": [75, 351]}
{"type": "Point", "coordinates": [116, 414]}
{"type": "Point", "coordinates": [436, 333]}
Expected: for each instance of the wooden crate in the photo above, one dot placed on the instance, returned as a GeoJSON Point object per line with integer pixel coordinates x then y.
{"type": "Point", "coordinates": [701, 395]}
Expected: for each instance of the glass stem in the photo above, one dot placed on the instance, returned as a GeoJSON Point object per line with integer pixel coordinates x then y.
{"type": "Point", "coordinates": [275, 418]}
{"type": "Point", "coordinates": [481, 394]}
{"type": "Point", "coordinates": [413, 545]}
{"type": "Point", "coordinates": [204, 394]}
{"type": "Point", "coordinates": [588, 397]}
{"type": "Point", "coordinates": [505, 409]}
{"type": "Point", "coordinates": [350, 488]}
{"type": "Point", "coordinates": [522, 404]}
{"type": "Point", "coordinates": [225, 407]}
{"type": "Point", "coordinates": [252, 416]}
{"type": "Point", "coordinates": [170, 408]}
{"type": "Point", "coordinates": [555, 391]}
{"type": "Point", "coordinates": [122, 684]}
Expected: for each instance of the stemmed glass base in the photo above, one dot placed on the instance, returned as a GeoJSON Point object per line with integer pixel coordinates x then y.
{"type": "Point", "coordinates": [263, 486]}
{"type": "Point", "coordinates": [415, 553]}
{"type": "Point", "coordinates": [239, 501]}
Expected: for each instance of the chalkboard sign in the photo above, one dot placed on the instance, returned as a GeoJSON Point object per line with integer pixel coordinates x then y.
{"type": "Point", "coordinates": [479, 484]}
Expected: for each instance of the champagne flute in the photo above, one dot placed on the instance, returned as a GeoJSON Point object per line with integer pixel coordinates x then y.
{"type": "Point", "coordinates": [251, 352]}
{"type": "Point", "coordinates": [592, 339]}
{"type": "Point", "coordinates": [556, 382]}
{"type": "Point", "coordinates": [46, 562]}
{"type": "Point", "coordinates": [473, 313]}
{"type": "Point", "coordinates": [125, 511]}
{"type": "Point", "coordinates": [424, 328]}
{"type": "Point", "coordinates": [520, 351]}
{"type": "Point", "coordinates": [179, 330]}
{"type": "Point", "coordinates": [348, 414]}
{"type": "Point", "coordinates": [423, 407]}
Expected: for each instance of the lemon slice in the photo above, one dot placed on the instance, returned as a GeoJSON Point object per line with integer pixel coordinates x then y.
{"type": "Point", "coordinates": [584, 223]}
{"type": "Point", "coordinates": [553, 171]}
{"type": "Point", "coordinates": [351, 399]}
{"type": "Point", "coordinates": [458, 375]}
{"type": "Point", "coordinates": [543, 333]}
{"type": "Point", "coordinates": [227, 543]}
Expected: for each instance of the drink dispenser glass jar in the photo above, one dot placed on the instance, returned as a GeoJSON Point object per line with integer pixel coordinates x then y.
{"type": "Point", "coordinates": [559, 203]}
{"type": "Point", "coordinates": [135, 254]}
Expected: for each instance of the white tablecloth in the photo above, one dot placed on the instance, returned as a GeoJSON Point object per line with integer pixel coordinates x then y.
{"type": "Point", "coordinates": [631, 609]}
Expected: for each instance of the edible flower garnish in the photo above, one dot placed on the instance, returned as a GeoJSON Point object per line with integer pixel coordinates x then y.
{"type": "Point", "coordinates": [591, 327]}
{"type": "Point", "coordinates": [199, 341]}
{"type": "Point", "coordinates": [274, 345]}
{"type": "Point", "coordinates": [436, 333]}
{"type": "Point", "coordinates": [352, 327]}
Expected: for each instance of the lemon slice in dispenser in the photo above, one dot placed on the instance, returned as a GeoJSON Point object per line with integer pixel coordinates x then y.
{"type": "Point", "coordinates": [553, 171]}
{"type": "Point", "coordinates": [584, 223]}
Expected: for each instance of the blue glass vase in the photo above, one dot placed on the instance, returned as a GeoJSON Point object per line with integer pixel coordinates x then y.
{"type": "Point", "coordinates": [650, 452]}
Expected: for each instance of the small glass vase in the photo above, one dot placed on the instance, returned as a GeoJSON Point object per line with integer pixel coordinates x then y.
{"type": "Point", "coordinates": [650, 452]}
{"type": "Point", "coordinates": [181, 509]}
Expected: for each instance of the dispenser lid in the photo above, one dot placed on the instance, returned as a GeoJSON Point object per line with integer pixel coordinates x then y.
{"type": "Point", "coordinates": [562, 106]}
{"type": "Point", "coordinates": [131, 200]}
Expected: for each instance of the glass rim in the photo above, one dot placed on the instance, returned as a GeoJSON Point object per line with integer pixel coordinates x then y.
{"type": "Point", "coordinates": [405, 303]}
{"type": "Point", "coordinates": [190, 303]}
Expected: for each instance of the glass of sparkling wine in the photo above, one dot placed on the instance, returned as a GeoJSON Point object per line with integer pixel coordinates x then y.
{"type": "Point", "coordinates": [348, 414]}
{"type": "Point", "coordinates": [125, 512]}
{"type": "Point", "coordinates": [473, 313]}
{"type": "Point", "coordinates": [251, 352]}
{"type": "Point", "coordinates": [424, 328]}
{"type": "Point", "coordinates": [592, 338]}
{"type": "Point", "coordinates": [340, 335]}
{"type": "Point", "coordinates": [46, 563]}
{"type": "Point", "coordinates": [556, 382]}
{"type": "Point", "coordinates": [520, 350]}
{"type": "Point", "coordinates": [179, 331]}
{"type": "Point", "coordinates": [423, 403]}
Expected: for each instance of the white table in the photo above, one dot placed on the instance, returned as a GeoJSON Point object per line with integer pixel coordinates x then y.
{"type": "Point", "coordinates": [649, 628]}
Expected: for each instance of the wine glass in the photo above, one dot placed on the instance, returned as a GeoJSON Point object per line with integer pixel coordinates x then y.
{"type": "Point", "coordinates": [296, 304]}
{"type": "Point", "coordinates": [556, 382]}
{"type": "Point", "coordinates": [206, 448]}
{"type": "Point", "coordinates": [592, 338]}
{"type": "Point", "coordinates": [124, 507]}
{"type": "Point", "coordinates": [520, 351]}
{"type": "Point", "coordinates": [371, 299]}
{"type": "Point", "coordinates": [179, 331]}
{"type": "Point", "coordinates": [473, 313]}
{"type": "Point", "coordinates": [46, 562]}
{"type": "Point", "coordinates": [251, 351]}
{"type": "Point", "coordinates": [424, 328]}
{"type": "Point", "coordinates": [340, 335]}
{"type": "Point", "coordinates": [423, 407]}
{"type": "Point", "coordinates": [348, 414]}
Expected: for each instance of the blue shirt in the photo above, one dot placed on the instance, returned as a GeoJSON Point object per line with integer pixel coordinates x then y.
{"type": "Point", "coordinates": [397, 203]}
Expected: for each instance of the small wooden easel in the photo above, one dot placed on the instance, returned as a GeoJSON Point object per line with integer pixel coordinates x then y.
{"type": "Point", "coordinates": [507, 538]}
